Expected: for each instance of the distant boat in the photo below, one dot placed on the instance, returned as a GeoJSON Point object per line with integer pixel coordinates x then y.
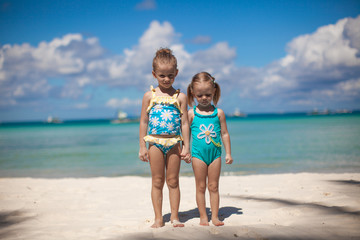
{"type": "Point", "coordinates": [52, 119]}
{"type": "Point", "coordinates": [237, 113]}
{"type": "Point", "coordinates": [343, 111]}
{"type": "Point", "coordinates": [317, 112]}
{"type": "Point", "coordinates": [122, 117]}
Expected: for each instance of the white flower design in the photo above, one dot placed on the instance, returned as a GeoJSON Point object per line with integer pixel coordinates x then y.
{"type": "Point", "coordinates": [166, 115]}
{"type": "Point", "coordinates": [206, 132]}
{"type": "Point", "coordinates": [157, 108]}
{"type": "Point", "coordinates": [154, 121]}
{"type": "Point", "coordinates": [163, 124]}
{"type": "Point", "coordinates": [170, 126]}
{"type": "Point", "coordinates": [153, 131]}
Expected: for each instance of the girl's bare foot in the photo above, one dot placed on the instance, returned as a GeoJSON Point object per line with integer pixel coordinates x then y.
{"type": "Point", "coordinates": [177, 223]}
{"type": "Point", "coordinates": [217, 222]}
{"type": "Point", "coordinates": [158, 224]}
{"type": "Point", "coordinates": [204, 221]}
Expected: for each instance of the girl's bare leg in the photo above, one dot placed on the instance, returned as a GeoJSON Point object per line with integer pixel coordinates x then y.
{"type": "Point", "coordinates": [200, 171]}
{"type": "Point", "coordinates": [173, 163]}
{"type": "Point", "coordinates": [158, 178]}
{"type": "Point", "coordinates": [213, 186]}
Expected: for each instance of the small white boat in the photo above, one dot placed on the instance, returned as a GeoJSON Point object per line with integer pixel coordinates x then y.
{"type": "Point", "coordinates": [315, 111]}
{"type": "Point", "coordinates": [52, 119]}
{"type": "Point", "coordinates": [237, 113]}
{"type": "Point", "coordinates": [122, 117]}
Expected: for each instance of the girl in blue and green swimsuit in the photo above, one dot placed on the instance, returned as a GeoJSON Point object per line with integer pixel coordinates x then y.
{"type": "Point", "coordinates": [208, 128]}
{"type": "Point", "coordinates": [164, 128]}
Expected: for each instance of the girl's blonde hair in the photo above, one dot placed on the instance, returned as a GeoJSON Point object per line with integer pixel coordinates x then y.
{"type": "Point", "coordinates": [203, 77]}
{"type": "Point", "coordinates": [164, 56]}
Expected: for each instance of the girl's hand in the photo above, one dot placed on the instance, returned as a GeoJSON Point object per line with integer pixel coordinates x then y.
{"type": "Point", "coordinates": [228, 159]}
{"type": "Point", "coordinates": [187, 158]}
{"type": "Point", "coordinates": [185, 155]}
{"type": "Point", "coordinates": [144, 155]}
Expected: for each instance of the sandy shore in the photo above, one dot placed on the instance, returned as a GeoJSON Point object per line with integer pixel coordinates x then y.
{"type": "Point", "coordinates": [283, 206]}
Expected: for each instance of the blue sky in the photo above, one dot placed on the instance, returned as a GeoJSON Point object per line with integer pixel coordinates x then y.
{"type": "Point", "coordinates": [87, 59]}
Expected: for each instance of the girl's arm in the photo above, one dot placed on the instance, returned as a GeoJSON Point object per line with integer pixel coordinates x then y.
{"type": "Point", "coordinates": [190, 117]}
{"type": "Point", "coordinates": [225, 136]}
{"type": "Point", "coordinates": [144, 120]}
{"type": "Point", "coordinates": [185, 153]}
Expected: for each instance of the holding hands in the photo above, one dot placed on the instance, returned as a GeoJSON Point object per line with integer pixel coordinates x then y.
{"type": "Point", "coordinates": [185, 155]}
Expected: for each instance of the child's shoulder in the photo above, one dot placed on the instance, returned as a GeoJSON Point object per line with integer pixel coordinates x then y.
{"type": "Point", "coordinates": [147, 95]}
{"type": "Point", "coordinates": [182, 95]}
{"type": "Point", "coordinates": [191, 115]}
{"type": "Point", "coordinates": [220, 112]}
{"type": "Point", "coordinates": [191, 111]}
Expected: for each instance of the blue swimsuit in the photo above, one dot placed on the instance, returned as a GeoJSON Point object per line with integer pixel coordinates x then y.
{"type": "Point", "coordinates": [206, 136]}
{"type": "Point", "coordinates": [164, 119]}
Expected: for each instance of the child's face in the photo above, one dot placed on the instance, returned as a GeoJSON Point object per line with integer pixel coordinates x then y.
{"type": "Point", "coordinates": [203, 93]}
{"type": "Point", "coordinates": [165, 74]}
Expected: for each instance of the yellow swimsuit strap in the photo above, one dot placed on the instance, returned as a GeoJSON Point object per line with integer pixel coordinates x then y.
{"type": "Point", "coordinates": [164, 99]}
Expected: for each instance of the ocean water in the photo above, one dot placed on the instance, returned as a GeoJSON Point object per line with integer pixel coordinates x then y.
{"type": "Point", "coordinates": [261, 144]}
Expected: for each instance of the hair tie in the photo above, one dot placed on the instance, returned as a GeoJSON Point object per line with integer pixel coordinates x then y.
{"type": "Point", "coordinates": [211, 77]}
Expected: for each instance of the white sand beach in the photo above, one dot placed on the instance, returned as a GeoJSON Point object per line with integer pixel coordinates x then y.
{"type": "Point", "coordinates": [280, 206]}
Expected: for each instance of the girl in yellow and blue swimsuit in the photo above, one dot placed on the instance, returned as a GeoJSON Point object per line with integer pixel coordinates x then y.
{"type": "Point", "coordinates": [164, 125]}
{"type": "Point", "coordinates": [208, 128]}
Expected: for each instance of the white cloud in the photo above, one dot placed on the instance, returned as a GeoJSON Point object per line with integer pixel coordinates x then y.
{"type": "Point", "coordinates": [25, 70]}
{"type": "Point", "coordinates": [321, 67]}
{"type": "Point", "coordinates": [329, 46]}
{"type": "Point", "coordinates": [317, 65]}
{"type": "Point", "coordinates": [135, 66]}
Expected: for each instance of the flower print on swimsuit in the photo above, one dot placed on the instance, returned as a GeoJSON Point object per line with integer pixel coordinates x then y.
{"type": "Point", "coordinates": [170, 126]}
{"type": "Point", "coordinates": [157, 108]}
{"type": "Point", "coordinates": [206, 132]}
{"type": "Point", "coordinates": [175, 130]}
{"type": "Point", "coordinates": [167, 115]}
{"type": "Point", "coordinates": [162, 124]}
{"type": "Point", "coordinates": [154, 121]}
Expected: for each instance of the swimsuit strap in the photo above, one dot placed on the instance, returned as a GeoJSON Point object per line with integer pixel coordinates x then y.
{"type": "Point", "coordinates": [152, 89]}
{"type": "Point", "coordinates": [177, 92]}
{"type": "Point", "coordinates": [164, 99]}
{"type": "Point", "coordinates": [215, 113]}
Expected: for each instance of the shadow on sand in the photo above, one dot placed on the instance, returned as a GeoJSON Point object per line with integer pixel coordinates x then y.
{"type": "Point", "coordinates": [9, 221]}
{"type": "Point", "coordinates": [347, 182]}
{"type": "Point", "coordinates": [328, 209]}
{"type": "Point", "coordinates": [224, 212]}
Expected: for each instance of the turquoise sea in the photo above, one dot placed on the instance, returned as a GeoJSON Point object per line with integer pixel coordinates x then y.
{"type": "Point", "coordinates": [261, 144]}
